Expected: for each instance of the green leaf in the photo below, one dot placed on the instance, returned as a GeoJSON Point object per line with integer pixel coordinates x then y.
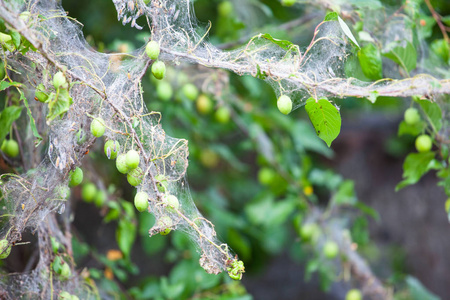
{"type": "Point", "coordinates": [15, 36]}
{"type": "Point", "coordinates": [441, 49]}
{"type": "Point", "coordinates": [259, 74]}
{"type": "Point", "coordinates": [418, 291]}
{"type": "Point", "coordinates": [413, 130]}
{"type": "Point", "coordinates": [32, 121]}
{"type": "Point", "coordinates": [331, 16]}
{"type": "Point", "coordinates": [347, 31]}
{"type": "Point", "coordinates": [7, 117]}
{"type": "Point", "coordinates": [58, 104]}
{"type": "Point", "coordinates": [406, 57]}
{"type": "Point", "coordinates": [414, 167]}
{"type": "Point", "coordinates": [346, 194]}
{"type": "Point", "coordinates": [125, 235]}
{"type": "Point", "coordinates": [286, 45]}
{"type": "Point", "coordinates": [6, 84]}
{"type": "Point", "coordinates": [370, 60]}
{"type": "Point", "coordinates": [433, 113]}
{"type": "Point", "coordinates": [325, 118]}
{"type": "Point", "coordinates": [308, 140]}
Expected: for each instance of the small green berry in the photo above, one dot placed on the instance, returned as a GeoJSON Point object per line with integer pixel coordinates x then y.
{"type": "Point", "coordinates": [59, 80]}
{"type": "Point", "coordinates": [63, 192]}
{"type": "Point", "coordinates": [330, 249]}
{"type": "Point", "coordinates": [190, 91]}
{"type": "Point", "coordinates": [159, 69]}
{"type": "Point", "coordinates": [76, 177]}
{"type": "Point", "coordinates": [204, 104]}
{"type": "Point", "coordinates": [424, 143]}
{"type": "Point", "coordinates": [152, 50]}
{"type": "Point", "coordinates": [132, 159]}
{"type": "Point", "coordinates": [111, 148]}
{"type": "Point", "coordinates": [225, 8]}
{"type": "Point", "coordinates": [161, 183]}
{"type": "Point", "coordinates": [266, 176]}
{"type": "Point", "coordinates": [288, 2]}
{"type": "Point", "coordinates": [135, 176]}
{"type": "Point", "coordinates": [164, 90]}
{"type": "Point", "coordinates": [10, 148]}
{"type": "Point", "coordinates": [65, 271]}
{"type": "Point", "coordinates": [165, 223]}
{"type": "Point", "coordinates": [284, 104]}
{"type": "Point", "coordinates": [88, 192]}
{"type": "Point", "coordinates": [412, 116]}
{"type": "Point", "coordinates": [121, 164]}
{"type": "Point", "coordinates": [100, 198]}
{"type": "Point", "coordinates": [141, 201]}
{"type": "Point", "coordinates": [353, 294]}
{"type": "Point", "coordinates": [222, 115]}
{"type": "Point", "coordinates": [98, 127]}
{"type": "Point", "coordinates": [40, 93]}
{"type": "Point", "coordinates": [5, 249]}
{"type": "Point", "coordinates": [172, 202]}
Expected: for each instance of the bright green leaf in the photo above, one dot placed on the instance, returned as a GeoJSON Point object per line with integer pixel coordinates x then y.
{"type": "Point", "coordinates": [347, 31]}
{"type": "Point", "coordinates": [414, 167]}
{"type": "Point", "coordinates": [331, 16]}
{"type": "Point", "coordinates": [406, 57]}
{"type": "Point", "coordinates": [286, 45]}
{"type": "Point", "coordinates": [7, 117]}
{"type": "Point", "coordinates": [125, 235]}
{"type": "Point", "coordinates": [414, 130]}
{"type": "Point", "coordinates": [370, 60]}
{"type": "Point", "coordinates": [325, 118]}
{"type": "Point", "coordinates": [58, 104]}
{"type": "Point", "coordinates": [433, 113]}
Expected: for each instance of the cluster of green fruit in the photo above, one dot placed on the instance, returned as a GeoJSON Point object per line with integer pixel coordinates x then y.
{"type": "Point", "coordinates": [10, 148]}
{"type": "Point", "coordinates": [423, 142]}
{"type": "Point", "coordinates": [158, 67]}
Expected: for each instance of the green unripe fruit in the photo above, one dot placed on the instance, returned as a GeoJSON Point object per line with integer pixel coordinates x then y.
{"type": "Point", "coordinates": [164, 91]}
{"type": "Point", "coordinates": [165, 223]}
{"type": "Point", "coordinates": [161, 183]}
{"type": "Point", "coordinates": [424, 143]}
{"type": "Point", "coordinates": [353, 294]}
{"type": "Point", "coordinates": [209, 158]}
{"type": "Point", "coordinates": [4, 38]}
{"type": "Point", "coordinates": [330, 249]}
{"type": "Point", "coordinates": [74, 297]}
{"type": "Point", "coordinates": [100, 198]}
{"type": "Point", "coordinates": [63, 192]}
{"type": "Point", "coordinates": [5, 249]}
{"type": "Point", "coordinates": [284, 104]}
{"type": "Point", "coordinates": [152, 50]}
{"type": "Point", "coordinates": [80, 137]}
{"type": "Point", "coordinates": [190, 91]}
{"type": "Point", "coordinates": [172, 203]}
{"type": "Point", "coordinates": [76, 177]}
{"type": "Point", "coordinates": [159, 69]}
{"type": "Point", "coordinates": [59, 80]}
{"type": "Point", "coordinates": [225, 8]}
{"type": "Point", "coordinates": [266, 176]}
{"type": "Point", "coordinates": [135, 176]}
{"type": "Point", "coordinates": [121, 164]}
{"type": "Point", "coordinates": [65, 271]}
{"type": "Point", "coordinates": [141, 201]}
{"type": "Point", "coordinates": [98, 127]}
{"type": "Point", "coordinates": [88, 192]}
{"type": "Point", "coordinates": [10, 148]}
{"type": "Point", "coordinates": [111, 148]}
{"type": "Point", "coordinates": [65, 296]}
{"type": "Point", "coordinates": [412, 116]}
{"type": "Point", "coordinates": [309, 232]}
{"type": "Point", "coordinates": [132, 159]}
{"type": "Point", "coordinates": [40, 94]}
{"type": "Point", "coordinates": [222, 115]}
{"type": "Point", "coordinates": [288, 2]}
{"type": "Point", "coordinates": [204, 104]}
